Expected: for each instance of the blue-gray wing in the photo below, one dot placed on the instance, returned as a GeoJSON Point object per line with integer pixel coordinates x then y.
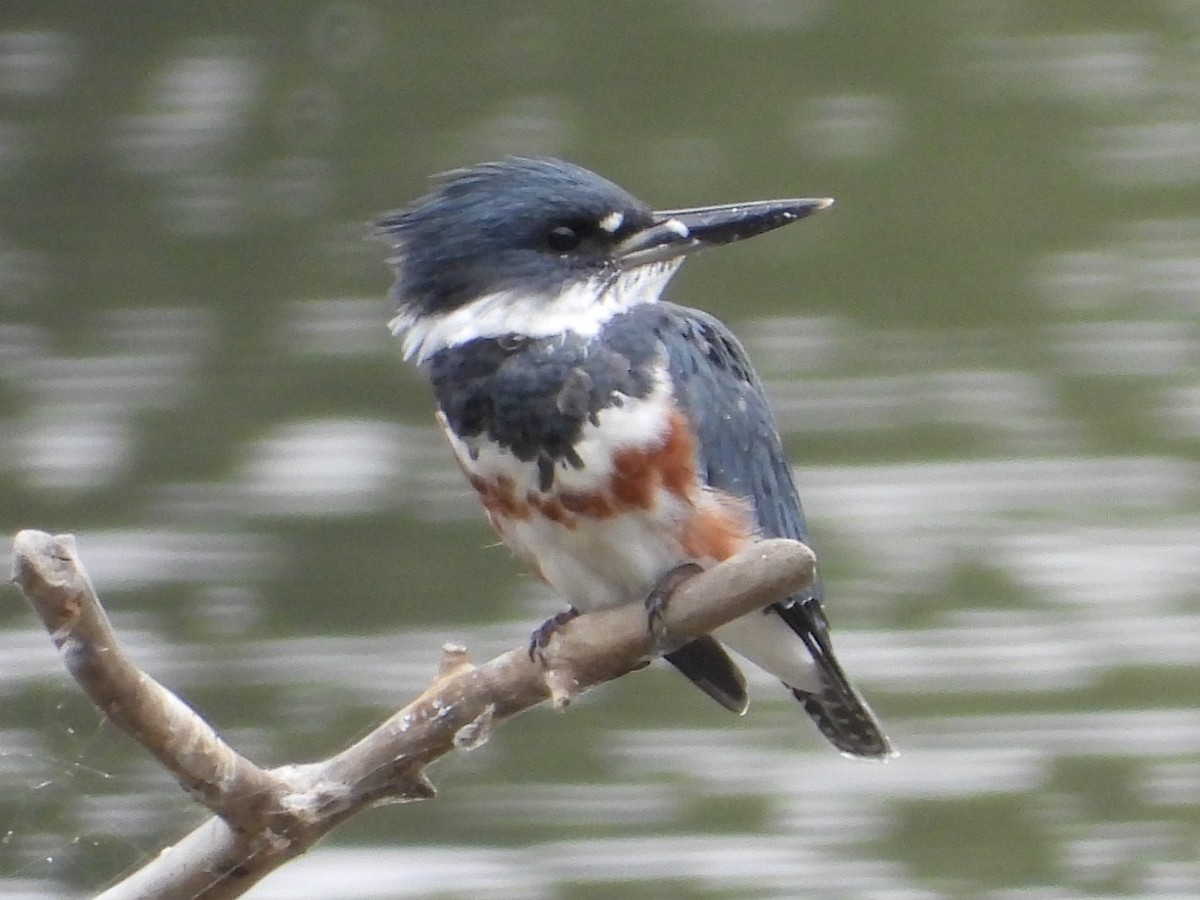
{"type": "Point", "coordinates": [716, 387]}
{"type": "Point", "coordinates": [739, 451]}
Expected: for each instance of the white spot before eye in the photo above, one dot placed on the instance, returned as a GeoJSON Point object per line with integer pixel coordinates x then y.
{"type": "Point", "coordinates": [678, 227]}
{"type": "Point", "coordinates": [612, 222]}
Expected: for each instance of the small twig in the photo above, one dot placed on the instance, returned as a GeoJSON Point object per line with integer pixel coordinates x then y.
{"type": "Point", "coordinates": [266, 817]}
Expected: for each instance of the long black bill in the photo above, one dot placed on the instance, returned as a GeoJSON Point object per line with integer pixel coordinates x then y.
{"type": "Point", "coordinates": [679, 231]}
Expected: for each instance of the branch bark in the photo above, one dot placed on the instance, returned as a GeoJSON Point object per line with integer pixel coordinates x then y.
{"type": "Point", "coordinates": [264, 817]}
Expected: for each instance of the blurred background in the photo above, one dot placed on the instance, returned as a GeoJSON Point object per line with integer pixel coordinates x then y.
{"type": "Point", "coordinates": [985, 358]}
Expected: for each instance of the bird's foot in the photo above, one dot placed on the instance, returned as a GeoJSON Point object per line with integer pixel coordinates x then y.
{"type": "Point", "coordinates": [660, 596]}
{"type": "Point", "coordinates": [540, 639]}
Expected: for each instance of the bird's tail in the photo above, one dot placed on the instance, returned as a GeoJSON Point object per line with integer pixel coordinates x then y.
{"type": "Point", "coordinates": [846, 721]}
{"type": "Point", "coordinates": [837, 709]}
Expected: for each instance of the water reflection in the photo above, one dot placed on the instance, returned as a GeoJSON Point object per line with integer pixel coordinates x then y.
{"type": "Point", "coordinates": [195, 376]}
{"type": "Point", "coordinates": [196, 110]}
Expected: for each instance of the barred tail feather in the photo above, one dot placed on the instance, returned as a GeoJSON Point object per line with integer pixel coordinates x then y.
{"type": "Point", "coordinates": [836, 708]}
{"type": "Point", "coordinates": [846, 721]}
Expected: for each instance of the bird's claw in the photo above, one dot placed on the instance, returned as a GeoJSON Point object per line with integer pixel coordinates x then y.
{"type": "Point", "coordinates": [540, 638]}
{"type": "Point", "coordinates": [660, 596]}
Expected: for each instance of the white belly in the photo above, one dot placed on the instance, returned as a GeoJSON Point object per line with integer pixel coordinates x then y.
{"type": "Point", "coordinates": [600, 562]}
{"type": "Point", "coordinates": [621, 560]}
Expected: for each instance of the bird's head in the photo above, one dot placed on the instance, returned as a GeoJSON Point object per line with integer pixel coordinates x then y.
{"type": "Point", "coordinates": [539, 247]}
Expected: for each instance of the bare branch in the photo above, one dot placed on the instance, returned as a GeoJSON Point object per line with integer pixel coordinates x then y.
{"type": "Point", "coordinates": [266, 817]}
{"type": "Point", "coordinates": [50, 573]}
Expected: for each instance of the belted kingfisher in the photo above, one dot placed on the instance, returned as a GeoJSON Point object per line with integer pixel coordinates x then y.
{"type": "Point", "coordinates": [617, 441]}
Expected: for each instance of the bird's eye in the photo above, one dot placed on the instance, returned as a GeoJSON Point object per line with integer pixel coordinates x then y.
{"type": "Point", "coordinates": [563, 239]}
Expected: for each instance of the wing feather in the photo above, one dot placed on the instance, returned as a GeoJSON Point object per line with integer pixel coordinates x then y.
{"type": "Point", "coordinates": [716, 387]}
{"type": "Point", "coordinates": [739, 451]}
